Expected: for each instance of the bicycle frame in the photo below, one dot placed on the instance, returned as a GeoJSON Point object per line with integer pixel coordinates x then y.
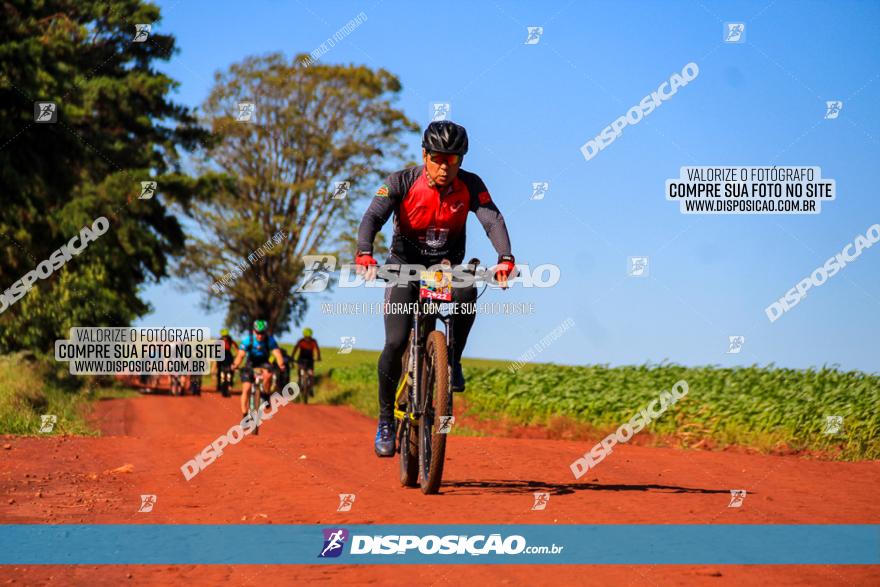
{"type": "Point", "coordinates": [258, 382]}
{"type": "Point", "coordinates": [305, 379]}
{"type": "Point", "coordinates": [256, 394]}
{"type": "Point", "coordinates": [423, 323]}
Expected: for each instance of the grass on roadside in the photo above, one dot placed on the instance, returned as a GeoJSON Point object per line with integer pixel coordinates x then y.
{"type": "Point", "coordinates": [31, 388]}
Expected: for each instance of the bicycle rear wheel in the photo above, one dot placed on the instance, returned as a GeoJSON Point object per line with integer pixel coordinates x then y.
{"type": "Point", "coordinates": [435, 385]}
{"type": "Point", "coordinates": [408, 440]}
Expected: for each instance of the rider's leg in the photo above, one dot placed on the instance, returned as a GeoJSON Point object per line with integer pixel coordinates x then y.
{"type": "Point", "coordinates": [245, 390]}
{"type": "Point", "coordinates": [397, 327]}
{"type": "Point", "coordinates": [462, 323]}
{"type": "Point", "coordinates": [267, 381]}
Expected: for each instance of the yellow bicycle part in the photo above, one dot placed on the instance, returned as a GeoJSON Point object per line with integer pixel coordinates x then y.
{"type": "Point", "coordinates": [401, 389]}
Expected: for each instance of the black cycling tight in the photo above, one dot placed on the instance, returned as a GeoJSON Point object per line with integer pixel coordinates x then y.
{"type": "Point", "coordinates": [397, 329]}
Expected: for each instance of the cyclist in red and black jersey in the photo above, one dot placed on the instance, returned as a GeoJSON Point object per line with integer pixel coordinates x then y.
{"type": "Point", "coordinates": [430, 204]}
{"type": "Point", "coordinates": [306, 351]}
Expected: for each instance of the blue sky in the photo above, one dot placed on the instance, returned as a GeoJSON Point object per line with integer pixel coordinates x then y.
{"type": "Point", "coordinates": [529, 108]}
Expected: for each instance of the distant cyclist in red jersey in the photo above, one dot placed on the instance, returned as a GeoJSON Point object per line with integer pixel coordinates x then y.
{"type": "Point", "coordinates": [306, 351]}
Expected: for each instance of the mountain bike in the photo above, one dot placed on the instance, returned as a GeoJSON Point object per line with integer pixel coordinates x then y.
{"type": "Point", "coordinates": [423, 402]}
{"type": "Point", "coordinates": [195, 384]}
{"type": "Point", "coordinates": [306, 382]}
{"type": "Point", "coordinates": [175, 384]}
{"type": "Point", "coordinates": [257, 394]}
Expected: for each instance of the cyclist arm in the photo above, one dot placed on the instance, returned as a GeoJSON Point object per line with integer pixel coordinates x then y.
{"type": "Point", "coordinates": [317, 350]}
{"type": "Point", "coordinates": [238, 359]}
{"type": "Point", "coordinates": [383, 205]}
{"type": "Point", "coordinates": [276, 352]}
{"type": "Point", "coordinates": [489, 216]}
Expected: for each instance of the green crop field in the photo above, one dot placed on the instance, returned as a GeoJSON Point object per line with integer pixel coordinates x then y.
{"type": "Point", "coordinates": [765, 408]}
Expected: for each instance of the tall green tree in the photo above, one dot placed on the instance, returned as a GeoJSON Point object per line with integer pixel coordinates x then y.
{"type": "Point", "coordinates": [311, 127]}
{"type": "Point", "coordinates": [116, 127]}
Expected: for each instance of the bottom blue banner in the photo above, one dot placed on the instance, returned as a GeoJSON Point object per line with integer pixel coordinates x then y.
{"type": "Point", "coordinates": [630, 544]}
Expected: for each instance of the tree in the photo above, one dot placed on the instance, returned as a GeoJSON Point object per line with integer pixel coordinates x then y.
{"type": "Point", "coordinates": [310, 127]}
{"type": "Point", "coordinates": [116, 127]}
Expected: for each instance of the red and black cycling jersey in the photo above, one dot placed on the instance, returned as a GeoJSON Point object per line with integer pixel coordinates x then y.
{"type": "Point", "coordinates": [305, 349]}
{"type": "Point", "coordinates": [429, 221]}
{"type": "Point", "coordinates": [230, 347]}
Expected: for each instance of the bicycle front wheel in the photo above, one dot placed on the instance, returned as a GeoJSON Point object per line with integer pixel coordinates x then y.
{"type": "Point", "coordinates": [254, 406]}
{"type": "Point", "coordinates": [304, 386]}
{"type": "Point", "coordinates": [438, 406]}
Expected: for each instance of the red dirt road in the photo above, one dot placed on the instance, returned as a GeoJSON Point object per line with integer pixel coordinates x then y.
{"type": "Point", "coordinates": [294, 471]}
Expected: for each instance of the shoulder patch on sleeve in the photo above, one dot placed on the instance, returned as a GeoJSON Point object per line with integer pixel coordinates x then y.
{"type": "Point", "coordinates": [484, 198]}
{"type": "Point", "coordinates": [382, 192]}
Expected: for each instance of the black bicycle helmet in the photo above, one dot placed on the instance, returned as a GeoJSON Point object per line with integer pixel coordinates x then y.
{"type": "Point", "coordinates": [444, 136]}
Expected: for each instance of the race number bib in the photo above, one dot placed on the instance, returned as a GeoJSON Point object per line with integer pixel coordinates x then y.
{"type": "Point", "coordinates": [435, 285]}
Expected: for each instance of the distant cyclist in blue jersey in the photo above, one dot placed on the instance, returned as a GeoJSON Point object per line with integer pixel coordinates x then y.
{"type": "Point", "coordinates": [256, 347]}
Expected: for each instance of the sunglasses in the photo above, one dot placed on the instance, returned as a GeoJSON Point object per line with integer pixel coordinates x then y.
{"type": "Point", "coordinates": [447, 158]}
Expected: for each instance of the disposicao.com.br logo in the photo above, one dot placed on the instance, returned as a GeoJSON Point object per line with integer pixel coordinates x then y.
{"type": "Point", "coordinates": [455, 544]}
